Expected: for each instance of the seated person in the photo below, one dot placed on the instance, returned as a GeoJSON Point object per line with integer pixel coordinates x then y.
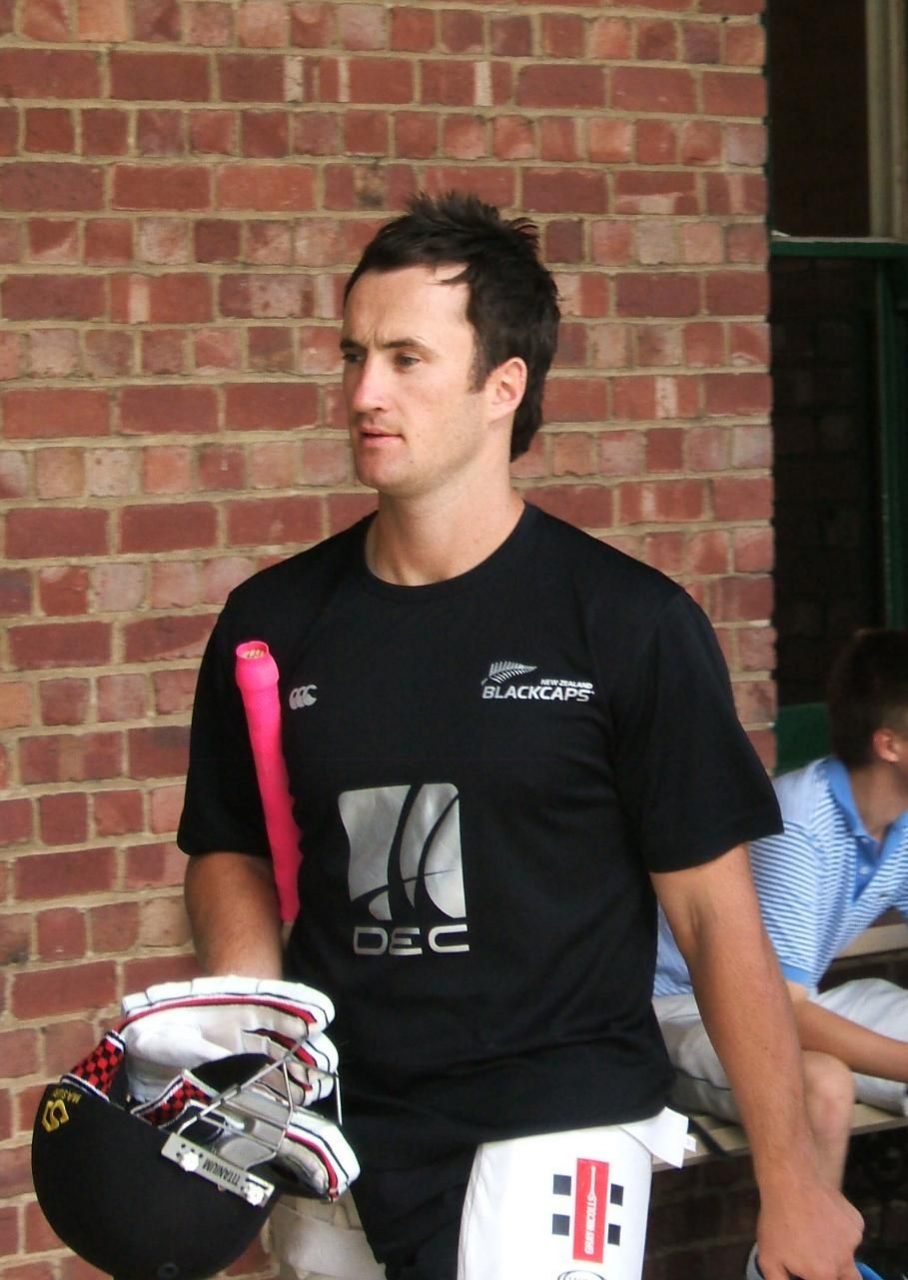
{"type": "Point", "coordinates": [841, 861]}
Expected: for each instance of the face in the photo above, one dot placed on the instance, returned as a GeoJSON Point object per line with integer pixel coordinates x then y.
{"type": "Point", "coordinates": [416, 423]}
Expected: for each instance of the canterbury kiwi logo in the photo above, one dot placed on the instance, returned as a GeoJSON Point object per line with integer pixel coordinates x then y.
{"type": "Point", "coordinates": [405, 851]}
{"type": "Point", "coordinates": [54, 1115]}
{"type": "Point", "coordinates": [302, 696]}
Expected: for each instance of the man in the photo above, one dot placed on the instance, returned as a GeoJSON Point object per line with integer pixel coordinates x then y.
{"type": "Point", "coordinates": [841, 861]}
{"type": "Point", "coordinates": [511, 734]}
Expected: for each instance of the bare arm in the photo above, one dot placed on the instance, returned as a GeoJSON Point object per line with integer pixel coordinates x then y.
{"type": "Point", "coordinates": [806, 1228]}
{"type": "Point", "coordinates": [233, 911]}
{"type": "Point", "coordinates": [858, 1047]}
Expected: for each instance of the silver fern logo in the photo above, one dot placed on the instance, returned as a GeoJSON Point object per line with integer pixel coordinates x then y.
{"type": "Point", "coordinates": [499, 672]}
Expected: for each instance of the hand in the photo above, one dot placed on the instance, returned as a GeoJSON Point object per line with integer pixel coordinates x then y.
{"type": "Point", "coordinates": [809, 1231]}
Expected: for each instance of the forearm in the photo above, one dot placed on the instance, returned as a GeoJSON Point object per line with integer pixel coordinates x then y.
{"type": "Point", "coordinates": [749, 1018]}
{"type": "Point", "coordinates": [858, 1047]}
{"type": "Point", "coordinates": [233, 912]}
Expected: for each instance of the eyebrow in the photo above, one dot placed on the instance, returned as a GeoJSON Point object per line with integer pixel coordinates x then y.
{"type": "Point", "coordinates": [393, 344]}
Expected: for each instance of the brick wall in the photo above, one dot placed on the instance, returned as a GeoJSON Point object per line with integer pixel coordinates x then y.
{"type": "Point", "coordinates": [183, 186]}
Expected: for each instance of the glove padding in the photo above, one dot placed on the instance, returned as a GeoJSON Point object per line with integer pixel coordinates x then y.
{"type": "Point", "coordinates": [177, 1025]}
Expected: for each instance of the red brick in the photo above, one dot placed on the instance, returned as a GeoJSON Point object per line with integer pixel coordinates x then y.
{"type": "Point", "coordinates": [743, 599]}
{"type": "Point", "coordinates": [178, 298]}
{"type": "Point", "coordinates": [44, 993]}
{"type": "Point", "coordinates": [48, 645]}
{"type": "Point", "coordinates": [114, 927]}
{"type": "Point", "coordinates": [561, 86]}
{"type": "Point", "coordinates": [753, 550]}
{"type": "Point", "coordinates": [736, 193]}
{"type": "Point", "coordinates": [737, 394]}
{"type": "Point", "coordinates": [51, 186]}
{"type": "Point", "coordinates": [159, 752]}
{"type": "Point", "coordinates": [657, 501]}
{"type": "Point", "coordinates": [366, 133]}
{"type": "Point", "coordinates": [108, 353]}
{"type": "Point", "coordinates": [160, 133]}
{"type": "Point", "coordinates": [657, 295]}
{"type": "Point", "coordinates": [391, 80]}
{"type": "Point", "coordinates": [104, 21]}
{"type": "Point", "coordinates": [182, 187]}
{"type": "Point", "coordinates": [272, 406]}
{"type": "Point", "coordinates": [251, 77]}
{"type": "Point", "coordinates": [315, 134]}
{"type": "Point", "coordinates": [576, 400]}
{"type": "Point", "coordinates": [155, 77]}
{"type": "Point", "coordinates": [271, 350]}
{"type": "Point", "coordinates": [744, 498]}
{"type": "Point", "coordinates": [61, 934]}
{"type": "Point", "coordinates": [105, 131]}
{"type": "Point", "coordinates": [167, 409]}
{"type": "Point", "coordinates": [648, 89]}
{"type": "Point", "coordinates": [275, 522]}
{"type": "Point", "coordinates": [266, 187]}
{"type": "Point", "coordinates": [108, 242]}
{"type": "Point", "coordinates": [191, 525]}
{"type": "Point", "coordinates": [56, 240]}
{"type": "Point", "coordinates": [702, 42]}
{"type": "Point", "coordinates": [16, 828]}
{"type": "Point", "coordinates": [734, 94]}
{"type": "Point", "coordinates": [209, 22]}
{"type": "Point", "coordinates": [53, 297]}
{"type": "Point", "coordinates": [45, 20]}
{"type": "Point", "coordinates": [63, 591]}
{"type": "Point", "coordinates": [64, 701]}
{"type": "Point", "coordinates": [462, 31]}
{"type": "Point", "coordinates": [411, 30]}
{"type": "Point", "coordinates": [216, 240]}
{"type": "Point", "coordinates": [174, 690]}
{"type": "Point", "coordinates": [265, 297]}
{"type": "Point", "coordinates": [156, 20]}
{"type": "Point", "coordinates": [313, 24]}
{"type": "Point", "coordinates": [511, 37]}
{"type": "Point", "coordinates": [15, 592]}
{"type": "Point", "coordinates": [661, 191]}
{"type": "Point", "coordinates": [41, 531]}
{"type": "Point", "coordinates": [166, 637]}
{"type": "Point", "coordinates": [72, 757]}
{"type": "Point", "coordinates": [49, 73]}
{"type": "Point", "coordinates": [45, 412]}
{"type": "Point", "coordinates": [657, 142]}
{"type": "Point", "coordinates": [657, 41]}
{"type": "Point", "coordinates": [707, 552]}
{"type": "Point", "coordinates": [265, 134]}
{"type": "Point", "coordinates": [737, 293]}
{"type": "Point", "coordinates": [49, 129]}
{"type": "Point", "coordinates": [164, 351]}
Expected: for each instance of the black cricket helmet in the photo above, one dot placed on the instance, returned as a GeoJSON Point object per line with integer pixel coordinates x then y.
{"type": "Point", "coordinates": [142, 1193]}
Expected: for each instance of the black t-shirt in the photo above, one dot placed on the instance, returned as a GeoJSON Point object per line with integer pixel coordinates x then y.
{"type": "Point", "coordinates": [484, 771]}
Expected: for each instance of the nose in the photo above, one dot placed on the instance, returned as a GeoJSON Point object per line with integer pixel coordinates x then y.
{"type": "Point", "coordinates": [365, 385]}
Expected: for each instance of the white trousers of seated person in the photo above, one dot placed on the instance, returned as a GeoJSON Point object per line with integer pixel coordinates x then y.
{"type": "Point", "coordinates": [873, 1003]}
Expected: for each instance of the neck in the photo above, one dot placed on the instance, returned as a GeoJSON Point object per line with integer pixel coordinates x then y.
{"type": "Point", "coordinates": [879, 797]}
{"type": "Point", "coordinates": [413, 544]}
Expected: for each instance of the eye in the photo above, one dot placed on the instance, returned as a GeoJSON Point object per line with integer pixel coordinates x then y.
{"type": "Point", "coordinates": [349, 356]}
{"type": "Point", "coordinates": [403, 361]}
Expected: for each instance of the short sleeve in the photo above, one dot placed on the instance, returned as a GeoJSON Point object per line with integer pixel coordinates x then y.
{"type": "Point", "coordinates": [784, 871]}
{"type": "Point", "coordinates": [222, 809]}
{"type": "Point", "coordinates": [691, 782]}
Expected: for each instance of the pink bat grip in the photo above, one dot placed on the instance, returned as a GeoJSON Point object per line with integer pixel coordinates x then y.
{"type": "Point", "coordinates": [256, 677]}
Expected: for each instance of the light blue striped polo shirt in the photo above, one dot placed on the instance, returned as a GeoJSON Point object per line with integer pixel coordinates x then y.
{"type": "Point", "coordinates": [821, 882]}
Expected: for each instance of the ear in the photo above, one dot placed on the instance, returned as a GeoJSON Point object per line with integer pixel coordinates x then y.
{"type": "Point", "coordinates": [505, 387]}
{"type": "Point", "coordinates": [887, 745]}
